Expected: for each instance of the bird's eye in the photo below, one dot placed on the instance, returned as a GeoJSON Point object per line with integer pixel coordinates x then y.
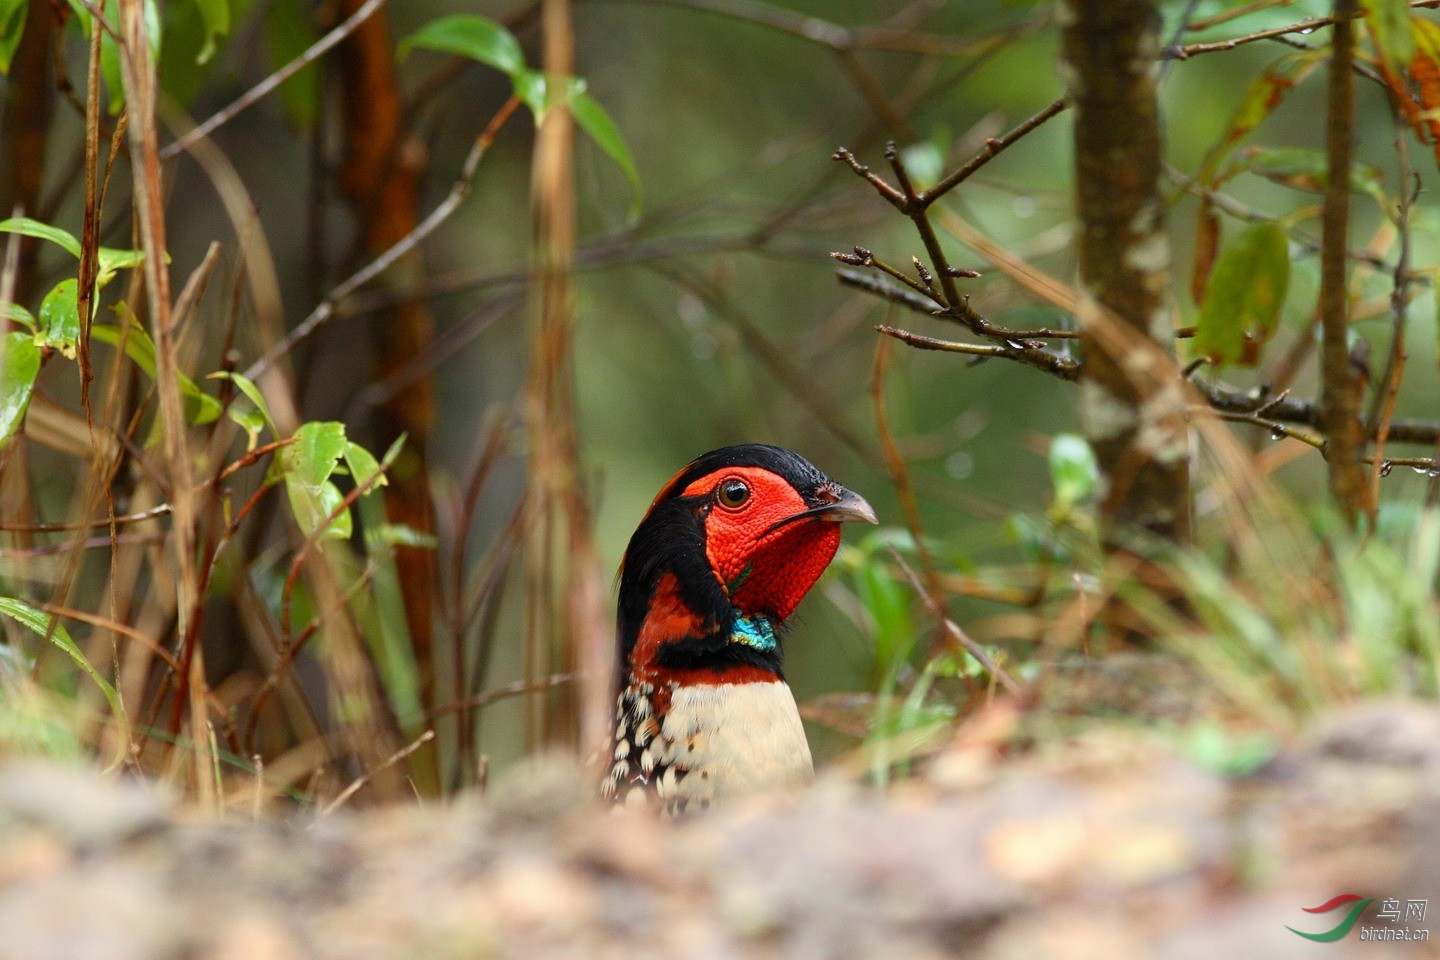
{"type": "Point", "coordinates": [733, 494]}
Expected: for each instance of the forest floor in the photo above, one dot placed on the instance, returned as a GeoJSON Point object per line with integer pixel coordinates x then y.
{"type": "Point", "coordinates": [1104, 845]}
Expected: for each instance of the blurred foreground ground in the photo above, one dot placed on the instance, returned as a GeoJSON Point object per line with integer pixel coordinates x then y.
{"type": "Point", "coordinates": [1104, 847]}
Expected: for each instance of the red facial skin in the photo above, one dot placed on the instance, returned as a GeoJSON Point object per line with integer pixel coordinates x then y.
{"type": "Point", "coordinates": [783, 564]}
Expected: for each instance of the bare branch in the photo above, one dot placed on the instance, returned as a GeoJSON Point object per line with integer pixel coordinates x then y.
{"type": "Point", "coordinates": [993, 148]}
{"type": "Point", "coordinates": [1066, 368]}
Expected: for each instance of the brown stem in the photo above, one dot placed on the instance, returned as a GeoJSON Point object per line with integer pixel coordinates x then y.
{"type": "Point", "coordinates": [1340, 389]}
{"type": "Point", "coordinates": [380, 177]}
{"type": "Point", "coordinates": [24, 131]}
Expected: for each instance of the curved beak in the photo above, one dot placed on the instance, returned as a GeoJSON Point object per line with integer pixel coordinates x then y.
{"type": "Point", "coordinates": [847, 505]}
{"type": "Point", "coordinates": [850, 506]}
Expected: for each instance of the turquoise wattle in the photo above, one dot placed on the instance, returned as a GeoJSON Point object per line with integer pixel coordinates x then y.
{"type": "Point", "coordinates": [754, 631]}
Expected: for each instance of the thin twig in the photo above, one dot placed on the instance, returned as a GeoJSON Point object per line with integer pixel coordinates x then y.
{"type": "Point", "coordinates": [151, 514]}
{"type": "Point", "coordinates": [1066, 368]}
{"type": "Point", "coordinates": [359, 782]}
{"type": "Point", "coordinates": [991, 150]}
{"type": "Point", "coordinates": [517, 689]}
{"type": "Point", "coordinates": [1302, 26]}
{"type": "Point", "coordinates": [953, 629]}
{"type": "Point", "coordinates": [1382, 410]}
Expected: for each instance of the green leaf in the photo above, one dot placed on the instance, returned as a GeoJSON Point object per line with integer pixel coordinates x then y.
{"type": "Point", "coordinates": [216, 14]}
{"type": "Point", "coordinates": [307, 465]}
{"type": "Point", "coordinates": [12, 27]}
{"type": "Point", "coordinates": [1309, 170]}
{"type": "Point", "coordinates": [20, 315]}
{"type": "Point", "coordinates": [363, 466]}
{"type": "Point", "coordinates": [18, 369]}
{"type": "Point", "coordinates": [34, 228]}
{"type": "Point", "coordinates": [60, 318]}
{"type": "Point", "coordinates": [597, 122]}
{"type": "Point", "coordinates": [109, 260]}
{"type": "Point", "coordinates": [318, 445]}
{"type": "Point", "coordinates": [1244, 296]}
{"type": "Point", "coordinates": [312, 505]}
{"type": "Point", "coordinates": [469, 36]}
{"type": "Point", "coordinates": [39, 622]}
{"type": "Point", "coordinates": [252, 393]}
{"type": "Point", "coordinates": [402, 535]}
{"type": "Point", "coordinates": [200, 407]}
{"type": "Point", "coordinates": [888, 607]}
{"type": "Point", "coordinates": [1073, 469]}
{"type": "Point", "coordinates": [1260, 100]}
{"type": "Point", "coordinates": [533, 89]}
{"type": "Point", "coordinates": [1389, 23]}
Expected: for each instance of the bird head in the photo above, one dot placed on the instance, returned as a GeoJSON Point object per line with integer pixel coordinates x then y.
{"type": "Point", "coordinates": [726, 552]}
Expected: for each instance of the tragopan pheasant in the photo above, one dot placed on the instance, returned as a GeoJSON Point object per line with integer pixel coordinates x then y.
{"type": "Point", "coordinates": [723, 557]}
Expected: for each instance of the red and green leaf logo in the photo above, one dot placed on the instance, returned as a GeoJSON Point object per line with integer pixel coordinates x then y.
{"type": "Point", "coordinates": [1341, 928]}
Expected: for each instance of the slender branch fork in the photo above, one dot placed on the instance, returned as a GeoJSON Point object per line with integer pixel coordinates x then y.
{"type": "Point", "coordinates": [933, 291]}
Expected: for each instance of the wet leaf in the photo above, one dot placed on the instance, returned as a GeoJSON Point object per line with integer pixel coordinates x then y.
{"type": "Point", "coordinates": [60, 318]}
{"type": "Point", "coordinates": [18, 370]}
{"type": "Point", "coordinates": [470, 36]}
{"type": "Point", "coordinates": [1244, 297]}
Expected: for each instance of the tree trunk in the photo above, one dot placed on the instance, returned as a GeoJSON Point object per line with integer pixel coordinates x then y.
{"type": "Point", "coordinates": [1132, 407]}
{"type": "Point", "coordinates": [1340, 391]}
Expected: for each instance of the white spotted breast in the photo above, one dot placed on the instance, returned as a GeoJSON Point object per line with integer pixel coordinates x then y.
{"type": "Point", "coordinates": [715, 741]}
